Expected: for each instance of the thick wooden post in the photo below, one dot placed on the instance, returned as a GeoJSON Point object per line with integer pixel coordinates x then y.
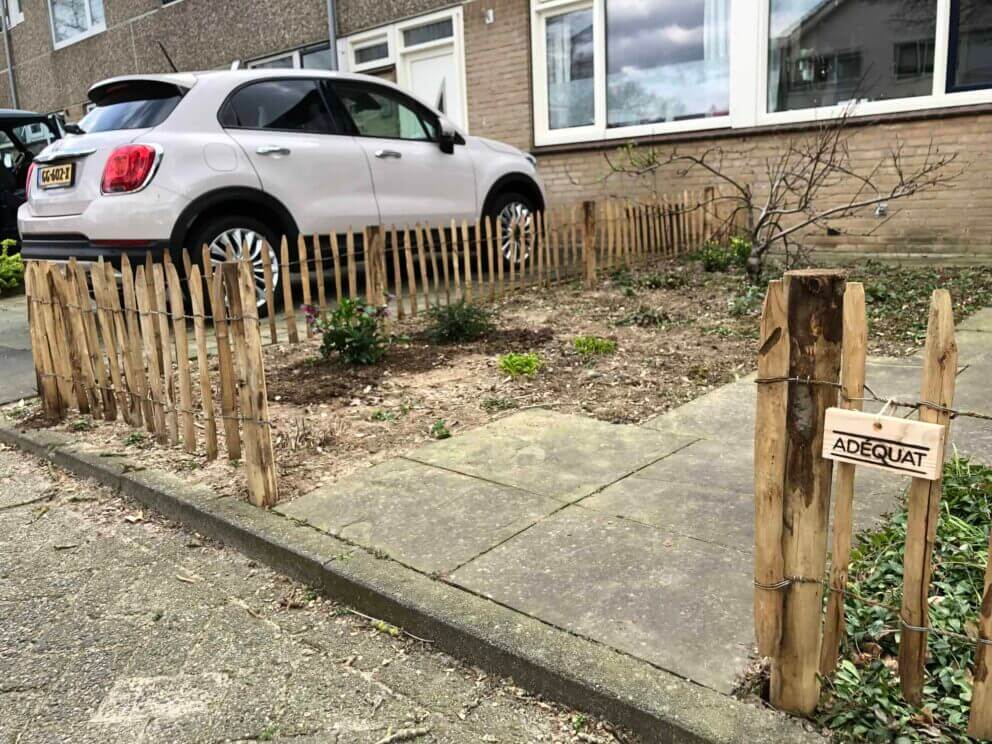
{"type": "Point", "coordinates": [589, 243]}
{"type": "Point", "coordinates": [852, 380]}
{"type": "Point", "coordinates": [814, 304]}
{"type": "Point", "coordinates": [769, 470]}
{"type": "Point", "coordinates": [940, 361]}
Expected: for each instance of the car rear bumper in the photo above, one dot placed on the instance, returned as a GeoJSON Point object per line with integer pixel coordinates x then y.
{"type": "Point", "coordinates": [64, 247]}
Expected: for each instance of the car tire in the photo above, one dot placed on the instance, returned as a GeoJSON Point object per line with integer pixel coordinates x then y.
{"type": "Point", "coordinates": [233, 232]}
{"type": "Point", "coordinates": [515, 212]}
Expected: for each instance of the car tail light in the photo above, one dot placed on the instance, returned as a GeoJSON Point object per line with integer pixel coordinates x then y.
{"type": "Point", "coordinates": [32, 170]}
{"type": "Point", "coordinates": [129, 168]}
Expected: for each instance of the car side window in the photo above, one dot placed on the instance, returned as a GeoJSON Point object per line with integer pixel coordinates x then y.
{"type": "Point", "coordinates": [381, 112]}
{"type": "Point", "coordinates": [284, 105]}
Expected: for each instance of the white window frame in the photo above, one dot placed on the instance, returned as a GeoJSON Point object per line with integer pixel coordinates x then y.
{"type": "Point", "coordinates": [748, 79]}
{"type": "Point", "coordinates": [393, 36]}
{"type": "Point", "coordinates": [92, 30]}
{"type": "Point", "coordinates": [15, 14]}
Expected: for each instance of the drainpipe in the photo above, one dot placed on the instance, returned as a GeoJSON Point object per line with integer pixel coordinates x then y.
{"type": "Point", "coordinates": [6, 53]}
{"type": "Point", "coordinates": [332, 33]}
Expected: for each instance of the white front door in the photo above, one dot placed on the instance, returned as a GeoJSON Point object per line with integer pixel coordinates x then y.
{"type": "Point", "coordinates": [433, 76]}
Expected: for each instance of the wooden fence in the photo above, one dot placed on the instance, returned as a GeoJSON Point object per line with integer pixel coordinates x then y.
{"type": "Point", "coordinates": [112, 347]}
{"type": "Point", "coordinates": [424, 265]}
{"type": "Point", "coordinates": [812, 356]}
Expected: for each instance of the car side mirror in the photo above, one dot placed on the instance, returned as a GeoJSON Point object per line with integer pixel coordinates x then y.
{"type": "Point", "coordinates": [448, 138]}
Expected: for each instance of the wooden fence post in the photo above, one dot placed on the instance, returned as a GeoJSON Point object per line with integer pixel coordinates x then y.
{"type": "Point", "coordinates": [769, 470]}
{"type": "Point", "coordinates": [940, 361]}
{"type": "Point", "coordinates": [589, 243]}
{"type": "Point", "coordinates": [852, 380]}
{"type": "Point", "coordinates": [259, 457]}
{"type": "Point", "coordinates": [814, 305]}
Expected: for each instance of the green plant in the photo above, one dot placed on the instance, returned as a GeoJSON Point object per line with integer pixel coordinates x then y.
{"type": "Point", "coordinates": [495, 405]}
{"type": "Point", "coordinates": [381, 415]}
{"type": "Point", "coordinates": [862, 700]}
{"type": "Point", "coordinates": [579, 722]}
{"type": "Point", "coordinates": [11, 267]}
{"type": "Point", "coordinates": [645, 317]}
{"type": "Point", "coordinates": [459, 321]}
{"type": "Point", "coordinates": [594, 345]}
{"type": "Point", "coordinates": [748, 303]}
{"type": "Point", "coordinates": [353, 330]}
{"type": "Point", "coordinates": [439, 430]}
{"type": "Point", "coordinates": [717, 258]}
{"type": "Point", "coordinates": [515, 364]}
{"type": "Point", "coordinates": [81, 424]}
{"type": "Point", "coordinates": [135, 438]}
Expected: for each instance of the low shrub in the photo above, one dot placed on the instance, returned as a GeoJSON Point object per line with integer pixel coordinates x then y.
{"type": "Point", "coordinates": [718, 258]}
{"type": "Point", "coordinates": [11, 267]}
{"type": "Point", "coordinates": [515, 364]}
{"type": "Point", "coordinates": [439, 430]}
{"type": "Point", "coordinates": [594, 345]}
{"type": "Point", "coordinates": [353, 330]}
{"type": "Point", "coordinates": [460, 321]}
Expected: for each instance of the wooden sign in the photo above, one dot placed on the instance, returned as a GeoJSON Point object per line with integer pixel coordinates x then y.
{"type": "Point", "coordinates": [896, 445]}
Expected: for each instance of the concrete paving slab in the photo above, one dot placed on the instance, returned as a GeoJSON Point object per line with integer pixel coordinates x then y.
{"type": "Point", "coordinates": [980, 321]}
{"type": "Point", "coordinates": [431, 519]}
{"type": "Point", "coordinates": [552, 454]}
{"type": "Point", "coordinates": [673, 601]}
{"type": "Point", "coordinates": [725, 413]}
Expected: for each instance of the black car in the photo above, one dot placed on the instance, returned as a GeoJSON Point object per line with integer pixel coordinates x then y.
{"type": "Point", "coordinates": [24, 134]}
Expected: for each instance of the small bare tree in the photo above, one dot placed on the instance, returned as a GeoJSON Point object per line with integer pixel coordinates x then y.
{"type": "Point", "coordinates": [812, 181]}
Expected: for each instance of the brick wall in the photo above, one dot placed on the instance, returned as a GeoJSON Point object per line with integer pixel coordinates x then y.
{"type": "Point", "coordinates": [497, 62]}
{"type": "Point", "coordinates": [954, 223]}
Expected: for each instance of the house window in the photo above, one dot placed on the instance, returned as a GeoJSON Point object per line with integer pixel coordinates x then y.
{"type": "Point", "coordinates": [621, 69]}
{"type": "Point", "coordinates": [425, 55]}
{"type": "Point", "coordinates": [666, 60]}
{"type": "Point", "coordinates": [571, 100]}
{"type": "Point", "coordinates": [316, 57]}
{"type": "Point", "coordinates": [73, 20]}
{"type": "Point", "coordinates": [970, 48]}
{"type": "Point", "coordinates": [372, 53]}
{"type": "Point", "coordinates": [15, 14]}
{"type": "Point", "coordinates": [821, 54]}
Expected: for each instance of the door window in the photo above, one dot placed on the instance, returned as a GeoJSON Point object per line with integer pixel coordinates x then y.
{"type": "Point", "coordinates": [381, 112]}
{"type": "Point", "coordinates": [284, 105]}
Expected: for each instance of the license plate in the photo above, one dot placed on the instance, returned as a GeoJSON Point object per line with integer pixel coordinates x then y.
{"type": "Point", "coordinates": [57, 176]}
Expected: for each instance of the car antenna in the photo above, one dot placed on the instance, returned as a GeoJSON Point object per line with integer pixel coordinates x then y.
{"type": "Point", "coordinates": [167, 57]}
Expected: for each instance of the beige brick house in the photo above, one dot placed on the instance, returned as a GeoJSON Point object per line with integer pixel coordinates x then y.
{"type": "Point", "coordinates": [571, 80]}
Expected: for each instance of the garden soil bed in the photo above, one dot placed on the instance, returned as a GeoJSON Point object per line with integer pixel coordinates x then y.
{"type": "Point", "coordinates": [679, 332]}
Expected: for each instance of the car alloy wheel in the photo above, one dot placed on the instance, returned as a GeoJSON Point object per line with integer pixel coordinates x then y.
{"type": "Point", "coordinates": [516, 220]}
{"type": "Point", "coordinates": [238, 242]}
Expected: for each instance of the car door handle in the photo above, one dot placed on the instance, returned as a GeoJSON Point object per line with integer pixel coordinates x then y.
{"type": "Point", "coordinates": [272, 150]}
{"type": "Point", "coordinates": [383, 154]}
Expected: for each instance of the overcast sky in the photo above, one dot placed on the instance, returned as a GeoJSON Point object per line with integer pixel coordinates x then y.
{"type": "Point", "coordinates": [650, 33]}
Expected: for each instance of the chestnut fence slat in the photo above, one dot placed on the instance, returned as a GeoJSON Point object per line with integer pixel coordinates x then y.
{"type": "Point", "coordinates": [105, 358]}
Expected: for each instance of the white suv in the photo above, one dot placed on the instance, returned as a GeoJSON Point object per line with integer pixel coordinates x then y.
{"type": "Point", "coordinates": [229, 158]}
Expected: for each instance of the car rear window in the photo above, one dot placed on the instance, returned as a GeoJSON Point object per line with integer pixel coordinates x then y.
{"type": "Point", "coordinates": [131, 105]}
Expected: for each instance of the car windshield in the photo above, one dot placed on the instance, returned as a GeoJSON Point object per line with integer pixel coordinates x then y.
{"type": "Point", "coordinates": [131, 105]}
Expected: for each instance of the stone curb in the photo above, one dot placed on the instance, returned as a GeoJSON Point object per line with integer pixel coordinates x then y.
{"type": "Point", "coordinates": [572, 670]}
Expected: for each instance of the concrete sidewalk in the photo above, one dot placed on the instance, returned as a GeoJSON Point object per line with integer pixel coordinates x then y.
{"type": "Point", "coordinates": [635, 537]}
{"type": "Point", "coordinates": [18, 379]}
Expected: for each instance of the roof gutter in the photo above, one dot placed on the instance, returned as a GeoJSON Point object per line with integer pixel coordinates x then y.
{"type": "Point", "coordinates": [6, 53]}
{"type": "Point", "coordinates": [332, 33]}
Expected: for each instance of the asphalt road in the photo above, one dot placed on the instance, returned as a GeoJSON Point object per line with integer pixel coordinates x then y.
{"type": "Point", "coordinates": [16, 366]}
{"type": "Point", "coordinates": [116, 626]}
